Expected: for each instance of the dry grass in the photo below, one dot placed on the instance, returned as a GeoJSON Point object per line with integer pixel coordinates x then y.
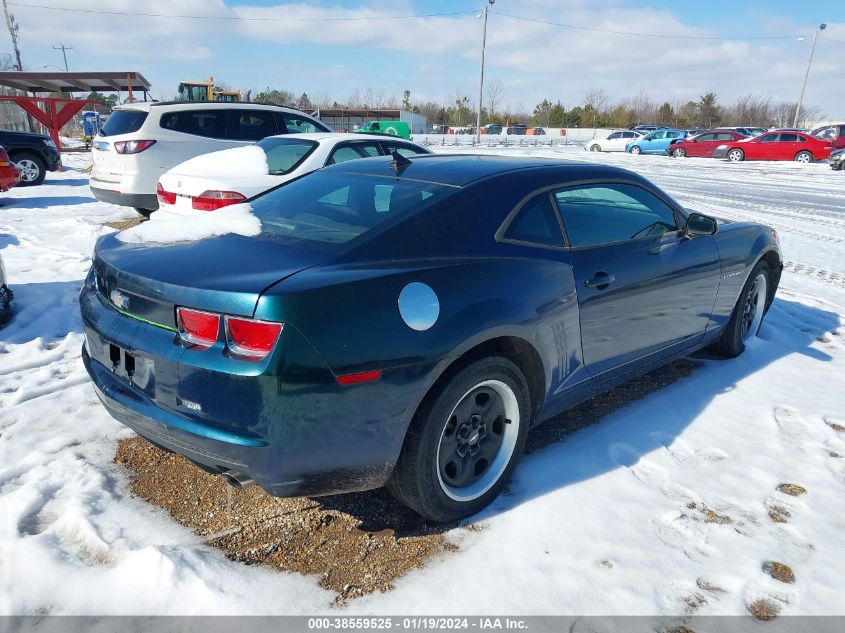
{"type": "Point", "coordinates": [121, 225]}
{"type": "Point", "coordinates": [779, 514]}
{"type": "Point", "coordinates": [779, 571]}
{"type": "Point", "coordinates": [793, 490]}
{"type": "Point", "coordinates": [764, 610]}
{"type": "Point", "coordinates": [709, 515]}
{"type": "Point", "coordinates": [836, 427]}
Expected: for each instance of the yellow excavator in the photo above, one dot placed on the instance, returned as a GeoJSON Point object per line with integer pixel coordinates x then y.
{"type": "Point", "coordinates": [207, 91]}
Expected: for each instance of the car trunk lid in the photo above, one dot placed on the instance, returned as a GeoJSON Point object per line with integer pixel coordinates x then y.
{"type": "Point", "coordinates": [224, 274]}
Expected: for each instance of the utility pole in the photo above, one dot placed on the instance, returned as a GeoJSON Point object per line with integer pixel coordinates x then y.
{"type": "Point", "coordinates": [481, 80]}
{"type": "Point", "coordinates": [822, 27]}
{"type": "Point", "coordinates": [63, 48]}
{"type": "Point", "coordinates": [13, 31]}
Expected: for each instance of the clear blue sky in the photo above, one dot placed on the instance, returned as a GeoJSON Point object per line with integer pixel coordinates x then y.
{"type": "Point", "coordinates": [437, 58]}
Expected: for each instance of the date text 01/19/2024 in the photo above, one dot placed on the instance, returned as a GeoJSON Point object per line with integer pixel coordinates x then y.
{"type": "Point", "coordinates": [417, 623]}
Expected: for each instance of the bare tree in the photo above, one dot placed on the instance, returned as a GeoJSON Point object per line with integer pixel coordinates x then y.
{"type": "Point", "coordinates": [597, 99]}
{"type": "Point", "coordinates": [494, 96]}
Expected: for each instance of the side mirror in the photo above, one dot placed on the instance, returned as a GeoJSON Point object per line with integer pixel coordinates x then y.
{"type": "Point", "coordinates": [698, 224]}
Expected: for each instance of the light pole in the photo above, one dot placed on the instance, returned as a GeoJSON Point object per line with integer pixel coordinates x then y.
{"type": "Point", "coordinates": [822, 27]}
{"type": "Point", "coordinates": [481, 80]}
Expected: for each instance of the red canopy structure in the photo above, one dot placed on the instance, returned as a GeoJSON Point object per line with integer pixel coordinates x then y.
{"type": "Point", "coordinates": [56, 112]}
{"type": "Point", "coordinates": [53, 116]}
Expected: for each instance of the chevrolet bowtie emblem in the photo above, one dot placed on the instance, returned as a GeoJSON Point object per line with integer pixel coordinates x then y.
{"type": "Point", "coordinates": [119, 299]}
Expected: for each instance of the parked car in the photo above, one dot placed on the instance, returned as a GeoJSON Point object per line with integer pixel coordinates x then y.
{"type": "Point", "coordinates": [518, 129]}
{"type": "Point", "coordinates": [6, 295]}
{"type": "Point", "coordinates": [35, 154]}
{"type": "Point", "coordinates": [388, 128]}
{"type": "Point", "coordinates": [656, 142]}
{"type": "Point", "coordinates": [747, 131]}
{"type": "Point", "coordinates": [537, 131]}
{"type": "Point", "coordinates": [140, 141]}
{"type": "Point", "coordinates": [645, 129]}
{"type": "Point", "coordinates": [378, 329]}
{"type": "Point", "coordinates": [703, 144]}
{"type": "Point", "coordinates": [440, 128]}
{"type": "Point", "coordinates": [835, 134]}
{"type": "Point", "coordinates": [216, 180]}
{"type": "Point", "coordinates": [10, 174]}
{"type": "Point", "coordinates": [802, 148]}
{"type": "Point", "coordinates": [614, 142]}
{"type": "Point", "coordinates": [837, 160]}
{"type": "Point", "coordinates": [491, 128]}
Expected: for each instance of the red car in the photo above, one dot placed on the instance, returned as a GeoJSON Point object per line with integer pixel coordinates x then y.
{"type": "Point", "coordinates": [834, 134]}
{"type": "Point", "coordinates": [704, 144]}
{"type": "Point", "coordinates": [10, 174]}
{"type": "Point", "coordinates": [776, 145]}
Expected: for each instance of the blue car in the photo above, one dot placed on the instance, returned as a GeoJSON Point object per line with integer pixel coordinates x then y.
{"type": "Point", "coordinates": [405, 322]}
{"type": "Point", "coordinates": [656, 142]}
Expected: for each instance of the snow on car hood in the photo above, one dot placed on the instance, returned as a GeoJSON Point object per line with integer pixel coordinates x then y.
{"type": "Point", "coordinates": [199, 225]}
{"type": "Point", "coordinates": [246, 160]}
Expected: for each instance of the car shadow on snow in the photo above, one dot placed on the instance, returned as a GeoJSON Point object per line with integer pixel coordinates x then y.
{"type": "Point", "coordinates": [44, 202]}
{"type": "Point", "coordinates": [636, 418]}
{"type": "Point", "coordinates": [66, 182]}
{"type": "Point", "coordinates": [7, 239]}
{"type": "Point", "coordinates": [49, 311]}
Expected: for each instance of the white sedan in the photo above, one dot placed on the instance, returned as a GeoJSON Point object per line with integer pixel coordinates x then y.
{"type": "Point", "coordinates": [613, 142]}
{"type": "Point", "coordinates": [218, 179]}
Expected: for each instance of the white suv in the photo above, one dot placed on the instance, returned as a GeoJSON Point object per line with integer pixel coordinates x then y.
{"type": "Point", "coordinates": [141, 141]}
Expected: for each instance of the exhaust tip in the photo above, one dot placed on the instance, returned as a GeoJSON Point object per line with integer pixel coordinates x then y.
{"type": "Point", "coordinates": [237, 480]}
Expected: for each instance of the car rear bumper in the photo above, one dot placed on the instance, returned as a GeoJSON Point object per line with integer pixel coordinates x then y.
{"type": "Point", "coordinates": [293, 430]}
{"type": "Point", "coordinates": [837, 162]}
{"type": "Point", "coordinates": [134, 200]}
{"type": "Point", "coordinates": [9, 177]}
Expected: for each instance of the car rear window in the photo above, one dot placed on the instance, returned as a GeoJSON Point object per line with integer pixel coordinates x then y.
{"type": "Point", "coordinates": [285, 154]}
{"type": "Point", "coordinates": [123, 122]}
{"type": "Point", "coordinates": [330, 208]}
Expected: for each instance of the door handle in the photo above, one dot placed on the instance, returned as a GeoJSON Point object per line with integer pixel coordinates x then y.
{"type": "Point", "coordinates": [600, 281]}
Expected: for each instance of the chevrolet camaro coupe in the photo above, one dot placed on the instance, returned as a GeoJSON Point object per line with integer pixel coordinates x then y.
{"type": "Point", "coordinates": [404, 322]}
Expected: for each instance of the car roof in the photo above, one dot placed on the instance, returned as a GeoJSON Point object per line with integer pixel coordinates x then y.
{"type": "Point", "coordinates": [463, 169]}
{"type": "Point", "coordinates": [205, 105]}
{"type": "Point", "coordinates": [342, 136]}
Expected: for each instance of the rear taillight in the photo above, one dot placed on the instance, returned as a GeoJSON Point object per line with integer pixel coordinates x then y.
{"type": "Point", "coordinates": [165, 197]}
{"type": "Point", "coordinates": [212, 200]}
{"type": "Point", "coordinates": [132, 147]}
{"type": "Point", "coordinates": [251, 339]}
{"type": "Point", "coordinates": [198, 328]}
{"type": "Point", "coordinates": [247, 339]}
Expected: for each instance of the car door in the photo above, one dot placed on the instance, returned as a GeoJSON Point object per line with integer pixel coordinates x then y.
{"type": "Point", "coordinates": [702, 145]}
{"type": "Point", "coordinates": [653, 142]}
{"type": "Point", "coordinates": [786, 146]}
{"type": "Point", "coordinates": [644, 289]}
{"type": "Point", "coordinates": [762, 147]}
{"type": "Point", "coordinates": [618, 145]}
{"type": "Point", "coordinates": [612, 142]}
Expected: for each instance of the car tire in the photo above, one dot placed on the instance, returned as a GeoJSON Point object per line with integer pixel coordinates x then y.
{"type": "Point", "coordinates": [747, 315]}
{"type": "Point", "coordinates": [145, 212]}
{"type": "Point", "coordinates": [636, 150]}
{"type": "Point", "coordinates": [804, 157]}
{"type": "Point", "coordinates": [33, 169]}
{"type": "Point", "coordinates": [595, 147]}
{"type": "Point", "coordinates": [679, 152]}
{"type": "Point", "coordinates": [736, 155]}
{"type": "Point", "coordinates": [454, 462]}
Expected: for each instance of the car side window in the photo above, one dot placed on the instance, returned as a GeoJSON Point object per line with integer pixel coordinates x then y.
{"type": "Point", "coordinates": [536, 222]}
{"type": "Point", "coordinates": [403, 150]}
{"type": "Point", "coordinates": [768, 138]}
{"type": "Point", "coordinates": [351, 152]}
{"type": "Point", "coordinates": [602, 214]}
{"type": "Point", "coordinates": [251, 125]}
{"type": "Point", "coordinates": [614, 135]}
{"type": "Point", "coordinates": [842, 131]}
{"type": "Point", "coordinates": [208, 123]}
{"type": "Point", "coordinates": [707, 137]}
{"type": "Point", "coordinates": [725, 137]}
{"type": "Point", "coordinates": [290, 123]}
{"type": "Point", "coordinates": [655, 136]}
{"type": "Point", "coordinates": [788, 138]}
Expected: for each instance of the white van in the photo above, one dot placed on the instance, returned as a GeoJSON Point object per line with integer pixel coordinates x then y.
{"type": "Point", "coordinates": [141, 141]}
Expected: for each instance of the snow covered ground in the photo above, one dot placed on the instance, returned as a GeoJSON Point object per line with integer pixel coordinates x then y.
{"type": "Point", "coordinates": [668, 506]}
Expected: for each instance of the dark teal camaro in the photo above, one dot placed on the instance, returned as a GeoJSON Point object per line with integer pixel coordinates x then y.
{"type": "Point", "coordinates": [405, 322]}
